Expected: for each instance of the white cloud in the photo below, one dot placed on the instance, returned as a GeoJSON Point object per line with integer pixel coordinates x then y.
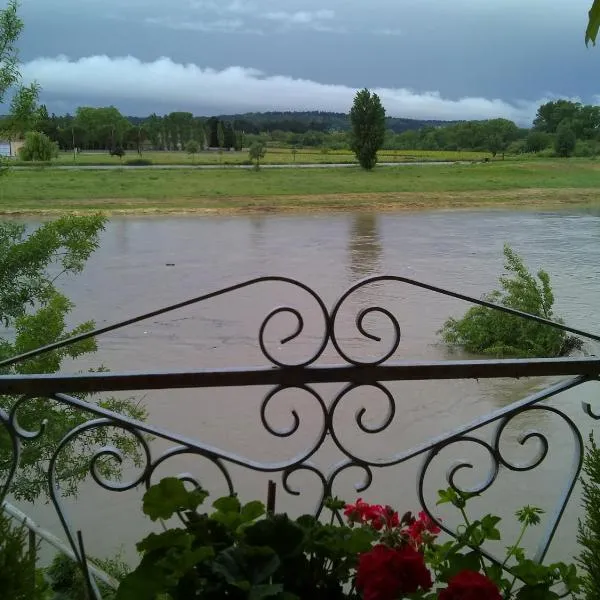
{"type": "Point", "coordinates": [301, 17]}
{"type": "Point", "coordinates": [218, 26]}
{"type": "Point", "coordinates": [238, 89]}
{"type": "Point", "coordinates": [389, 32]}
{"type": "Point", "coordinates": [234, 7]}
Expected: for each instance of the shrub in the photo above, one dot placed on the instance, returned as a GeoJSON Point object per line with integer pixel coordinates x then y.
{"type": "Point", "coordinates": [38, 147]}
{"type": "Point", "coordinates": [19, 579]}
{"type": "Point", "coordinates": [256, 152]}
{"type": "Point", "coordinates": [493, 332]}
{"type": "Point", "coordinates": [565, 140]}
{"type": "Point", "coordinates": [138, 162]}
{"type": "Point", "coordinates": [537, 141]}
{"type": "Point", "coordinates": [117, 151]}
{"type": "Point", "coordinates": [588, 148]}
{"type": "Point", "coordinates": [67, 581]}
{"type": "Point", "coordinates": [588, 531]}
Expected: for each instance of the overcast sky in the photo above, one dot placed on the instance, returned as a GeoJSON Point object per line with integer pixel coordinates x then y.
{"type": "Point", "coordinates": [427, 58]}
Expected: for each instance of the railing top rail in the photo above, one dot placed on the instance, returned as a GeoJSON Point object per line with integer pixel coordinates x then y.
{"type": "Point", "coordinates": [299, 376]}
{"type": "Point", "coordinates": [329, 315]}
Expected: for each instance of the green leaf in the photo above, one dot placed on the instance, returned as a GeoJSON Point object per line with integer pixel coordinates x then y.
{"type": "Point", "coordinates": [169, 496]}
{"type": "Point", "coordinates": [165, 540]}
{"type": "Point", "coordinates": [462, 562]}
{"type": "Point", "coordinates": [265, 591]}
{"type": "Point", "coordinates": [227, 504]}
{"type": "Point", "coordinates": [334, 504]}
{"type": "Point", "coordinates": [359, 540]}
{"type": "Point", "coordinates": [142, 584]}
{"type": "Point", "coordinates": [307, 521]}
{"type": "Point", "coordinates": [448, 496]}
{"type": "Point", "coordinates": [593, 23]}
{"type": "Point", "coordinates": [529, 515]}
{"type": "Point", "coordinates": [279, 533]}
{"type": "Point", "coordinates": [488, 526]}
{"type": "Point", "coordinates": [252, 511]}
{"type": "Point", "coordinates": [240, 566]}
{"type": "Point", "coordinates": [536, 592]}
{"type": "Point", "coordinates": [495, 573]}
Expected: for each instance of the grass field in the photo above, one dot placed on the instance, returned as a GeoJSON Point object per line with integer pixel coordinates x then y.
{"type": "Point", "coordinates": [539, 183]}
{"type": "Point", "coordinates": [273, 156]}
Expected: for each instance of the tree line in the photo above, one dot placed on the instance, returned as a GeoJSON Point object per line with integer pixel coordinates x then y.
{"type": "Point", "coordinates": [561, 126]}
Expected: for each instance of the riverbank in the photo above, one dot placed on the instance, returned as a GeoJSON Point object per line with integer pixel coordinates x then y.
{"type": "Point", "coordinates": [552, 183]}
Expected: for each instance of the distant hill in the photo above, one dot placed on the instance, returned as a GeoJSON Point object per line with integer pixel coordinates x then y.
{"type": "Point", "coordinates": [300, 122]}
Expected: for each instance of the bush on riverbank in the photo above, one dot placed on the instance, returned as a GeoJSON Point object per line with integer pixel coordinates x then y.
{"type": "Point", "coordinates": [492, 332]}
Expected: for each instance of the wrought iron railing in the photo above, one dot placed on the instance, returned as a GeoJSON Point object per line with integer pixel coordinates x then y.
{"type": "Point", "coordinates": [303, 375]}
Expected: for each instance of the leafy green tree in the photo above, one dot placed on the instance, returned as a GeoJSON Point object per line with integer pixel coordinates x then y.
{"type": "Point", "coordinates": [11, 27]}
{"type": "Point", "coordinates": [490, 331]}
{"type": "Point", "coordinates": [499, 134]}
{"type": "Point", "coordinates": [34, 313]}
{"type": "Point", "coordinates": [192, 148]}
{"type": "Point", "coordinates": [38, 147]}
{"type": "Point", "coordinates": [536, 141]}
{"type": "Point", "coordinates": [105, 127]}
{"type": "Point", "coordinates": [220, 135]}
{"type": "Point", "coordinates": [565, 140]}
{"type": "Point", "coordinates": [551, 114]}
{"type": "Point", "coordinates": [257, 152]}
{"type": "Point", "coordinates": [367, 118]}
{"type": "Point", "coordinates": [24, 110]}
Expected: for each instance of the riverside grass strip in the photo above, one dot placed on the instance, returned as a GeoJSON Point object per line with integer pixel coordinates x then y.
{"type": "Point", "coordinates": [524, 184]}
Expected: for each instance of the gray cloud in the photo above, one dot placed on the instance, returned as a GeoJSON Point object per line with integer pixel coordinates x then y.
{"type": "Point", "coordinates": [467, 49]}
{"type": "Point", "coordinates": [238, 89]}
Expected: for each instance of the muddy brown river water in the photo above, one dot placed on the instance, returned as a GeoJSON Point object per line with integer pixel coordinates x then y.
{"type": "Point", "coordinates": [458, 250]}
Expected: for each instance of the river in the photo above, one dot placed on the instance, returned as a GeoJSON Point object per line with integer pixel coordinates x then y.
{"type": "Point", "coordinates": [460, 250]}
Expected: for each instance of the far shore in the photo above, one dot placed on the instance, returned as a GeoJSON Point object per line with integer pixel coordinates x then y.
{"type": "Point", "coordinates": [543, 184]}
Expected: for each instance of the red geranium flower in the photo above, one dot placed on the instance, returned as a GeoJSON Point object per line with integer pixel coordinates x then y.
{"type": "Point", "coordinates": [374, 515]}
{"type": "Point", "coordinates": [386, 573]}
{"type": "Point", "coordinates": [356, 512]}
{"type": "Point", "coordinates": [470, 585]}
{"type": "Point", "coordinates": [421, 525]}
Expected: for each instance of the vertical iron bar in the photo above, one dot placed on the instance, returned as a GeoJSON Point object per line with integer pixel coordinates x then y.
{"type": "Point", "coordinates": [32, 557]}
{"type": "Point", "coordinates": [271, 496]}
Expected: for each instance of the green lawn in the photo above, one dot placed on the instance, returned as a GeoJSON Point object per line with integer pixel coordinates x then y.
{"type": "Point", "coordinates": [545, 181]}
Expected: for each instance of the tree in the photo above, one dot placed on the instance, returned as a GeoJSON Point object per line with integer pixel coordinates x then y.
{"type": "Point", "coordinates": [551, 114]}
{"type": "Point", "coordinates": [25, 115]}
{"type": "Point", "coordinates": [499, 133]}
{"type": "Point", "coordinates": [192, 148]}
{"type": "Point", "coordinates": [220, 135]}
{"type": "Point", "coordinates": [536, 141]}
{"type": "Point", "coordinates": [565, 141]}
{"type": "Point", "coordinates": [105, 127]}
{"type": "Point", "coordinates": [493, 332]}
{"type": "Point", "coordinates": [34, 312]}
{"type": "Point", "coordinates": [367, 118]}
{"type": "Point", "coordinates": [38, 147]}
{"type": "Point", "coordinates": [256, 152]}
